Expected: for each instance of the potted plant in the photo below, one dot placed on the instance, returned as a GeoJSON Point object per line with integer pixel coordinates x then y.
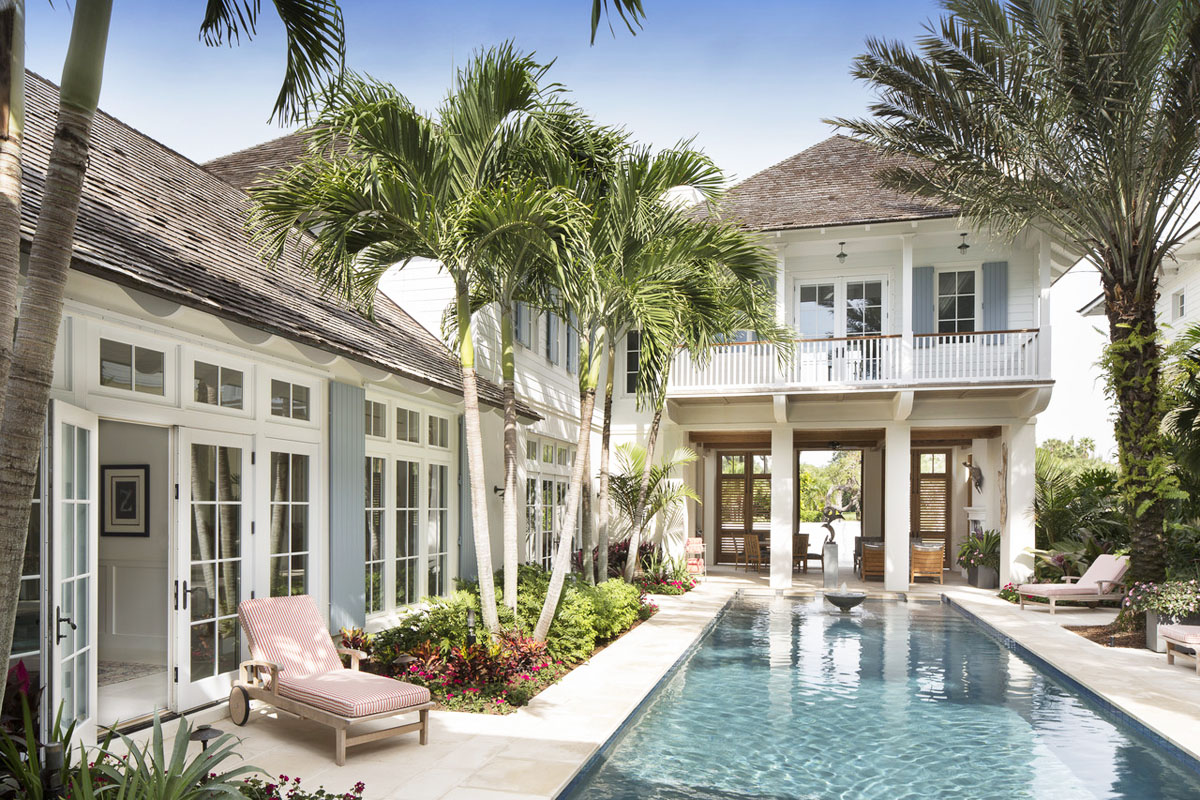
{"type": "Point", "coordinates": [980, 554]}
{"type": "Point", "coordinates": [1170, 603]}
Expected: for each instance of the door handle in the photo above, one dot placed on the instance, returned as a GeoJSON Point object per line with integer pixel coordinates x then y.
{"type": "Point", "coordinates": [58, 634]}
{"type": "Point", "coordinates": [187, 592]}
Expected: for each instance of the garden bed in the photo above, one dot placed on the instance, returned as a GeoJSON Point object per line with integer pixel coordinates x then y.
{"type": "Point", "coordinates": [1111, 635]}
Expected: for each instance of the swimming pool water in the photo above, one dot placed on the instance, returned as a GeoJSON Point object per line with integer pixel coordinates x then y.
{"type": "Point", "coordinates": [785, 698]}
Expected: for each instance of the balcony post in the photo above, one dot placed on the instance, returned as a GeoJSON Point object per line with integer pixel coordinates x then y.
{"type": "Point", "coordinates": [782, 505]}
{"type": "Point", "coordinates": [897, 509]}
{"type": "Point", "coordinates": [906, 308]}
{"type": "Point", "coordinates": [1042, 317]}
{"type": "Point", "coordinates": [781, 297]}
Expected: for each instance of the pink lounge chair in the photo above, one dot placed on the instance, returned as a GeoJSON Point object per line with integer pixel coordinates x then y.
{"type": "Point", "coordinates": [1181, 636]}
{"type": "Point", "coordinates": [296, 668]}
{"type": "Point", "coordinates": [1102, 581]}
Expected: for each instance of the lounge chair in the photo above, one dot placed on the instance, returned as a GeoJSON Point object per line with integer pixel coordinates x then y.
{"type": "Point", "coordinates": [1186, 637]}
{"type": "Point", "coordinates": [925, 560]}
{"type": "Point", "coordinates": [296, 668]}
{"type": "Point", "coordinates": [1101, 581]}
{"type": "Point", "coordinates": [873, 561]}
{"type": "Point", "coordinates": [693, 549]}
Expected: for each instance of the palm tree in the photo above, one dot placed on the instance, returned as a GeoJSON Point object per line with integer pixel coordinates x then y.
{"type": "Point", "coordinates": [316, 50]}
{"type": "Point", "coordinates": [383, 184]}
{"type": "Point", "coordinates": [663, 495]}
{"type": "Point", "coordinates": [1078, 119]}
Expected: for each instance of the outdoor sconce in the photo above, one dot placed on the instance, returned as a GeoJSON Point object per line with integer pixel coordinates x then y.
{"type": "Point", "coordinates": [470, 626]}
{"type": "Point", "coordinates": [963, 247]}
{"type": "Point", "coordinates": [841, 256]}
{"type": "Point", "coordinates": [498, 490]}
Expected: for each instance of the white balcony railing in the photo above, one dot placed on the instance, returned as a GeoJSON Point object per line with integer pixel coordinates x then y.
{"type": "Point", "coordinates": [984, 356]}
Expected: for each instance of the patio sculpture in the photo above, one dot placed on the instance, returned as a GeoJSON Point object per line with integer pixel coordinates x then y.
{"type": "Point", "coordinates": [976, 475]}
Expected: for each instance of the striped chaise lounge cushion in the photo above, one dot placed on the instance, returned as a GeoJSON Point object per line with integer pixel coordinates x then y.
{"type": "Point", "coordinates": [350, 693]}
{"type": "Point", "coordinates": [1181, 633]}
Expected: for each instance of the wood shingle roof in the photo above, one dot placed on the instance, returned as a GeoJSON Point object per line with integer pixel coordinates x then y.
{"type": "Point", "coordinates": [155, 221]}
{"type": "Point", "coordinates": [829, 184]}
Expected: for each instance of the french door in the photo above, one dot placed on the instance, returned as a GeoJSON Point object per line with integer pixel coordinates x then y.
{"type": "Point", "coordinates": [931, 490]}
{"type": "Point", "coordinates": [71, 635]}
{"type": "Point", "coordinates": [840, 322]}
{"type": "Point", "coordinates": [212, 562]}
{"type": "Point", "coordinates": [744, 501]}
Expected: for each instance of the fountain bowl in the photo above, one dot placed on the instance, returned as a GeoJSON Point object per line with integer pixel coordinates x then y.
{"type": "Point", "coordinates": [845, 600]}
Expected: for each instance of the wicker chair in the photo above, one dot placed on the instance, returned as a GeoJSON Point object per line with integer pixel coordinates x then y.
{"type": "Point", "coordinates": [925, 560]}
{"type": "Point", "coordinates": [872, 560]}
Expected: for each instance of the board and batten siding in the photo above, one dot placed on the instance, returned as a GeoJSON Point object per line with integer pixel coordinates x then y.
{"type": "Point", "coordinates": [347, 524]}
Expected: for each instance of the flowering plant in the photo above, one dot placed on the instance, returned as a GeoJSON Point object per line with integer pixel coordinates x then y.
{"type": "Point", "coordinates": [980, 550]}
{"type": "Point", "coordinates": [289, 789]}
{"type": "Point", "coordinates": [1172, 599]}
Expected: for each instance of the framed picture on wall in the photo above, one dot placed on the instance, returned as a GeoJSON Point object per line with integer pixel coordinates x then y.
{"type": "Point", "coordinates": [125, 500]}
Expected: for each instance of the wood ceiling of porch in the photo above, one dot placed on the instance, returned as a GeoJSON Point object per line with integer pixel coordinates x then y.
{"type": "Point", "coordinates": [843, 439]}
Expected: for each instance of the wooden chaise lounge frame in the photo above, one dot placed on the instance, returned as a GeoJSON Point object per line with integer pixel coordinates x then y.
{"type": "Point", "coordinates": [258, 679]}
{"type": "Point", "coordinates": [252, 685]}
{"type": "Point", "coordinates": [1103, 580]}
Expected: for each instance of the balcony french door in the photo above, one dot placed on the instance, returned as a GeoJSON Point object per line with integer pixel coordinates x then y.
{"type": "Point", "coordinates": [213, 573]}
{"type": "Point", "coordinates": [71, 634]}
{"type": "Point", "coordinates": [839, 323]}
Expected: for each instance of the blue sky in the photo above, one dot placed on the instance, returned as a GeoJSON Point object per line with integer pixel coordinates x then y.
{"type": "Point", "coordinates": [750, 81]}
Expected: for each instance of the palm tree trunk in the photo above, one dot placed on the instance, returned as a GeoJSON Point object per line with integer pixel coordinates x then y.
{"type": "Point", "coordinates": [1134, 372]}
{"type": "Point", "coordinates": [12, 120]}
{"type": "Point", "coordinates": [585, 523]}
{"type": "Point", "coordinates": [562, 556]}
{"type": "Point", "coordinates": [631, 559]}
{"type": "Point", "coordinates": [471, 424]}
{"type": "Point", "coordinates": [605, 440]}
{"type": "Point", "coordinates": [27, 389]}
{"type": "Point", "coordinates": [508, 370]}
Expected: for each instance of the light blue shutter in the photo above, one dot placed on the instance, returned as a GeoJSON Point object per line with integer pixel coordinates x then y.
{"type": "Point", "coordinates": [995, 296]}
{"type": "Point", "coordinates": [347, 489]}
{"type": "Point", "coordinates": [923, 302]}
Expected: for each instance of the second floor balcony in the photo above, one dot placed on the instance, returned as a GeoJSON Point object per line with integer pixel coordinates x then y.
{"type": "Point", "coordinates": [863, 362]}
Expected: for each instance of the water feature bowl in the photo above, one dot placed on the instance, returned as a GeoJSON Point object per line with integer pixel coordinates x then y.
{"type": "Point", "coordinates": [845, 600]}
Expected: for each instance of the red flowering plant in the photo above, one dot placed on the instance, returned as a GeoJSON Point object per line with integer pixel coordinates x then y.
{"type": "Point", "coordinates": [289, 788]}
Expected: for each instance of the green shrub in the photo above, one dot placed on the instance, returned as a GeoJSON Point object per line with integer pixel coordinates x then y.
{"type": "Point", "coordinates": [615, 606]}
{"type": "Point", "coordinates": [441, 621]}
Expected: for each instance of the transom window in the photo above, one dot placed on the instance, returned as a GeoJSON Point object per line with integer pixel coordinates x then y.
{"type": "Point", "coordinates": [376, 419]}
{"type": "Point", "coordinates": [138, 369]}
{"type": "Point", "coordinates": [956, 301]}
{"type": "Point", "coordinates": [289, 400]}
{"type": "Point", "coordinates": [289, 524]}
{"type": "Point", "coordinates": [408, 425]}
{"type": "Point", "coordinates": [439, 431]}
{"type": "Point", "coordinates": [216, 385]}
{"type": "Point", "coordinates": [548, 452]}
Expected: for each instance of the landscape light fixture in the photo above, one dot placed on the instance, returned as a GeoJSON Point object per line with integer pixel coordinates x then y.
{"type": "Point", "coordinates": [841, 256]}
{"type": "Point", "coordinates": [470, 626]}
{"type": "Point", "coordinates": [963, 247]}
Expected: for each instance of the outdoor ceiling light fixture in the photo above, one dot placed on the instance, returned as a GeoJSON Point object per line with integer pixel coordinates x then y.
{"type": "Point", "coordinates": [841, 256]}
{"type": "Point", "coordinates": [963, 247]}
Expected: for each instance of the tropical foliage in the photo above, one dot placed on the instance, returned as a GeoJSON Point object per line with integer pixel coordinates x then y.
{"type": "Point", "coordinates": [1075, 120]}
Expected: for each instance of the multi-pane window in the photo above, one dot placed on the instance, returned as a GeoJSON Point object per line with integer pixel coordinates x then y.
{"type": "Point", "coordinates": [27, 632]}
{"type": "Point", "coordinates": [548, 452]}
{"type": "Point", "coordinates": [864, 308]}
{"type": "Point", "coordinates": [408, 530]}
{"type": "Point", "coordinates": [438, 533]}
{"type": "Point", "coordinates": [289, 400]}
{"type": "Point", "coordinates": [815, 317]}
{"type": "Point", "coordinates": [562, 457]}
{"type": "Point", "coordinates": [531, 450]}
{"type": "Point", "coordinates": [523, 324]}
{"type": "Point", "coordinates": [1178, 305]}
{"type": "Point", "coordinates": [376, 418]}
{"type": "Point", "coordinates": [546, 553]}
{"type": "Point", "coordinates": [956, 301]}
{"type": "Point", "coordinates": [375, 510]}
{"type": "Point", "coordinates": [552, 338]}
{"type": "Point", "coordinates": [289, 524]}
{"type": "Point", "coordinates": [216, 567]}
{"type": "Point", "coordinates": [439, 431]}
{"type": "Point", "coordinates": [533, 516]}
{"type": "Point", "coordinates": [216, 385]}
{"type": "Point", "coordinates": [408, 425]}
{"type": "Point", "coordinates": [138, 369]}
{"type": "Point", "coordinates": [633, 357]}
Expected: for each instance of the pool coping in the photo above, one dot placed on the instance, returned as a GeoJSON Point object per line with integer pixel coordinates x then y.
{"type": "Point", "coordinates": [1100, 701]}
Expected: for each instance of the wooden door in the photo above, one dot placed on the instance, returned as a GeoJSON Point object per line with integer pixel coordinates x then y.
{"type": "Point", "coordinates": [931, 491]}
{"type": "Point", "coordinates": [743, 490]}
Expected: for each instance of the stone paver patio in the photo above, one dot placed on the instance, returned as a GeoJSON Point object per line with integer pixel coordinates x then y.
{"type": "Point", "coordinates": [535, 752]}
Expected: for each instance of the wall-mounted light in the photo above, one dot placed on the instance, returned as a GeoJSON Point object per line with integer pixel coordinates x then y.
{"type": "Point", "coordinates": [498, 490]}
{"type": "Point", "coordinates": [963, 247]}
{"type": "Point", "coordinates": [841, 256]}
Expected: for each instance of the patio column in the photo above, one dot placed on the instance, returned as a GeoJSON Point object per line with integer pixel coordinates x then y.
{"type": "Point", "coordinates": [897, 466]}
{"type": "Point", "coordinates": [1016, 565]}
{"type": "Point", "coordinates": [708, 492]}
{"type": "Point", "coordinates": [782, 506]}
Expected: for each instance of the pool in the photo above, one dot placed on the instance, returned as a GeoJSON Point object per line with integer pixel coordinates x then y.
{"type": "Point", "coordinates": [785, 698]}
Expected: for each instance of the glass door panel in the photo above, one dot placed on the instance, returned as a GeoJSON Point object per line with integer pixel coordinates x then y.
{"type": "Point", "coordinates": [212, 575]}
{"type": "Point", "coordinates": [73, 566]}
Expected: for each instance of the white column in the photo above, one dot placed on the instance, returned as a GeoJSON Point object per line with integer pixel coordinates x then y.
{"type": "Point", "coordinates": [1042, 317]}
{"type": "Point", "coordinates": [782, 499]}
{"type": "Point", "coordinates": [905, 296]}
{"type": "Point", "coordinates": [708, 492]}
{"type": "Point", "coordinates": [1016, 565]}
{"type": "Point", "coordinates": [897, 465]}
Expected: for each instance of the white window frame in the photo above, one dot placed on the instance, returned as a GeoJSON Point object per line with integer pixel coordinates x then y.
{"type": "Point", "coordinates": [135, 338]}
{"type": "Point", "coordinates": [387, 417]}
{"type": "Point", "coordinates": [840, 299]}
{"type": "Point", "coordinates": [1178, 304]}
{"type": "Point", "coordinates": [187, 376]}
{"type": "Point", "coordinates": [260, 542]}
{"type": "Point", "coordinates": [540, 471]}
{"type": "Point", "coordinates": [316, 397]}
{"type": "Point", "coordinates": [968, 267]}
{"type": "Point", "coordinates": [624, 371]}
{"type": "Point", "coordinates": [443, 421]}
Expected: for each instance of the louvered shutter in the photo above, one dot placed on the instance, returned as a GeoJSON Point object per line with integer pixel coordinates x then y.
{"type": "Point", "coordinates": [922, 303]}
{"type": "Point", "coordinates": [995, 296]}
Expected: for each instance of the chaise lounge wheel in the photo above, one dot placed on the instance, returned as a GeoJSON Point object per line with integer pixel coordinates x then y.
{"type": "Point", "coordinates": [239, 705]}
